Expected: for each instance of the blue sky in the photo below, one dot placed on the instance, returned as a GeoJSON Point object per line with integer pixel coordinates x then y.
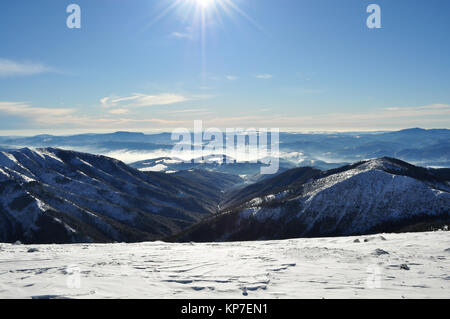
{"type": "Point", "coordinates": [297, 65]}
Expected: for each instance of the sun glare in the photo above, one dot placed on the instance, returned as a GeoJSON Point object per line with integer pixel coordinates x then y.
{"type": "Point", "coordinates": [204, 3]}
{"type": "Point", "coordinates": [202, 18]}
{"type": "Point", "coordinates": [202, 11]}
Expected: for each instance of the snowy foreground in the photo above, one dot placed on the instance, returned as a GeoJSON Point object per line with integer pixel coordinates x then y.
{"type": "Point", "coordinates": [413, 265]}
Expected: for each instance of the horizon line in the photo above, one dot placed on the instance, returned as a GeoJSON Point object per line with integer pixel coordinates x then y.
{"type": "Point", "coordinates": [23, 133]}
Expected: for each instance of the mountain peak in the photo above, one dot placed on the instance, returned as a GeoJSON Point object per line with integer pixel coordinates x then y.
{"type": "Point", "coordinates": [413, 129]}
{"type": "Point", "coordinates": [127, 133]}
{"type": "Point", "coordinates": [385, 163]}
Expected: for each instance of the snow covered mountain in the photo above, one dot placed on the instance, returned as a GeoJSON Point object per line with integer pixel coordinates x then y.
{"type": "Point", "coordinates": [56, 196]}
{"type": "Point", "coordinates": [225, 164]}
{"type": "Point", "coordinates": [377, 195]}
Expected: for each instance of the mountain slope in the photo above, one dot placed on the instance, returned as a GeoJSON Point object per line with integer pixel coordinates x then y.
{"type": "Point", "coordinates": [56, 196]}
{"type": "Point", "coordinates": [375, 195]}
{"type": "Point", "coordinates": [51, 195]}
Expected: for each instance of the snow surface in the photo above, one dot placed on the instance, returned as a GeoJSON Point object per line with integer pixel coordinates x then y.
{"type": "Point", "coordinates": [346, 267]}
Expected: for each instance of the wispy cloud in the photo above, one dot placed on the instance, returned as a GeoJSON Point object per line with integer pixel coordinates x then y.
{"type": "Point", "coordinates": [301, 90]}
{"type": "Point", "coordinates": [232, 78]}
{"type": "Point", "coordinates": [182, 35]}
{"type": "Point", "coordinates": [51, 118]}
{"type": "Point", "coordinates": [143, 100]}
{"type": "Point", "coordinates": [427, 109]}
{"type": "Point", "coordinates": [25, 109]}
{"type": "Point", "coordinates": [191, 111]}
{"type": "Point", "coordinates": [264, 76]}
{"type": "Point", "coordinates": [14, 68]}
{"type": "Point", "coordinates": [189, 114]}
{"type": "Point", "coordinates": [40, 115]}
{"type": "Point", "coordinates": [188, 33]}
{"type": "Point", "coordinates": [119, 111]}
{"type": "Point", "coordinates": [428, 116]}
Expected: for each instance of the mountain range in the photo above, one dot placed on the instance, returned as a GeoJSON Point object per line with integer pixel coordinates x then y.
{"type": "Point", "coordinates": [51, 195]}
{"type": "Point", "coordinates": [324, 151]}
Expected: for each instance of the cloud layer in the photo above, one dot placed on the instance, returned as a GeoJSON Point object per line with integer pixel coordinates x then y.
{"type": "Point", "coordinates": [428, 116]}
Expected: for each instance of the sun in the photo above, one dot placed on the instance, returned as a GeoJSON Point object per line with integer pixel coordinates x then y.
{"type": "Point", "coordinates": [204, 4]}
{"type": "Point", "coordinates": [202, 17]}
{"type": "Point", "coordinates": [204, 11]}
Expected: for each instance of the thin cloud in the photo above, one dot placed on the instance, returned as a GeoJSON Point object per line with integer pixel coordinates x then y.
{"type": "Point", "coordinates": [143, 100]}
{"type": "Point", "coordinates": [188, 33]}
{"type": "Point", "coordinates": [14, 68]}
{"type": "Point", "coordinates": [191, 111]}
{"type": "Point", "coordinates": [301, 90]}
{"type": "Point", "coordinates": [25, 109]}
{"type": "Point", "coordinates": [41, 115]}
{"type": "Point", "coordinates": [119, 111]}
{"type": "Point", "coordinates": [428, 116]}
{"type": "Point", "coordinates": [264, 76]}
{"type": "Point", "coordinates": [181, 35]}
{"type": "Point", "coordinates": [419, 108]}
{"type": "Point", "coordinates": [69, 118]}
{"type": "Point", "coordinates": [232, 78]}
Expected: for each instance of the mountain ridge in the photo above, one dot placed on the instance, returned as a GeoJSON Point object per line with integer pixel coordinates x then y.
{"type": "Point", "coordinates": [374, 195]}
{"type": "Point", "coordinates": [423, 147]}
{"type": "Point", "coordinates": [52, 195]}
{"type": "Point", "coordinates": [100, 198]}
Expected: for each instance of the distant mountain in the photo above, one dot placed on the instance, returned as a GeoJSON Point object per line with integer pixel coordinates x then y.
{"type": "Point", "coordinates": [326, 150]}
{"type": "Point", "coordinates": [56, 196]}
{"type": "Point", "coordinates": [96, 143]}
{"type": "Point", "coordinates": [218, 164]}
{"type": "Point", "coordinates": [249, 171]}
{"type": "Point", "coordinates": [419, 146]}
{"type": "Point", "coordinates": [379, 195]}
